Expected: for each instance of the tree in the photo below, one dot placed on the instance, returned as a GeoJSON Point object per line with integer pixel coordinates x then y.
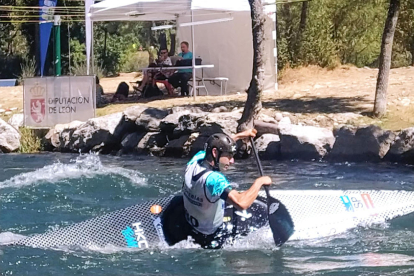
{"type": "Point", "coordinates": [380, 105]}
{"type": "Point", "coordinates": [253, 104]}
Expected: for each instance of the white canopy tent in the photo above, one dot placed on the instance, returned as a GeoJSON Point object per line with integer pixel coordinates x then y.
{"type": "Point", "coordinates": [227, 45]}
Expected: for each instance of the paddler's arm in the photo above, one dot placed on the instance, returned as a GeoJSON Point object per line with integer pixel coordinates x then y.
{"type": "Point", "coordinates": [243, 200]}
{"type": "Point", "coordinates": [244, 134]}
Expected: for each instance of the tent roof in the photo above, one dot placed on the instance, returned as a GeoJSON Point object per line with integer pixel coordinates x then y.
{"type": "Point", "coordinates": [157, 10]}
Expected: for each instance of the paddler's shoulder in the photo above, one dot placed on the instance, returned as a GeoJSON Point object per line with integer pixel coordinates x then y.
{"type": "Point", "coordinates": [199, 155]}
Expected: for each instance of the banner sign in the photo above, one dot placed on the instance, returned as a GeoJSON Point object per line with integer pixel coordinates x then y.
{"type": "Point", "coordinates": [46, 15]}
{"type": "Point", "coordinates": [58, 100]}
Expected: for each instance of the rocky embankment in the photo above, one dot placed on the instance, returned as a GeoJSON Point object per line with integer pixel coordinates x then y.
{"type": "Point", "coordinates": [182, 131]}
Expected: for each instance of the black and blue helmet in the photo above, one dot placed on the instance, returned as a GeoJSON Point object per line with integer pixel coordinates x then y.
{"type": "Point", "coordinates": [223, 143]}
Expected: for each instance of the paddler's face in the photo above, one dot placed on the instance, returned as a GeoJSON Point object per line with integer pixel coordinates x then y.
{"type": "Point", "coordinates": [226, 159]}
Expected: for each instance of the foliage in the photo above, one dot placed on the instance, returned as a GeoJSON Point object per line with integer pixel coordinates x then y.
{"type": "Point", "coordinates": [28, 68]}
{"type": "Point", "coordinates": [29, 142]}
{"type": "Point", "coordinates": [80, 69]}
{"type": "Point", "coordinates": [333, 32]}
{"type": "Point", "coordinates": [341, 32]}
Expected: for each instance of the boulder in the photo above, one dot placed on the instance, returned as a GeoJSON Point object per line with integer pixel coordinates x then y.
{"type": "Point", "coordinates": [16, 120]}
{"type": "Point", "coordinates": [59, 137]}
{"type": "Point", "coordinates": [402, 150]}
{"type": "Point", "coordinates": [219, 109]}
{"type": "Point", "coordinates": [9, 137]}
{"type": "Point", "coordinates": [130, 142]}
{"type": "Point", "coordinates": [189, 123]}
{"type": "Point", "coordinates": [189, 109]}
{"type": "Point", "coordinates": [171, 121]}
{"type": "Point", "coordinates": [175, 148]}
{"type": "Point", "coordinates": [96, 134]}
{"type": "Point", "coordinates": [305, 142]}
{"type": "Point", "coordinates": [268, 146]}
{"type": "Point", "coordinates": [151, 118]}
{"type": "Point", "coordinates": [278, 116]}
{"type": "Point", "coordinates": [369, 143]}
{"type": "Point", "coordinates": [132, 113]}
{"type": "Point", "coordinates": [153, 143]}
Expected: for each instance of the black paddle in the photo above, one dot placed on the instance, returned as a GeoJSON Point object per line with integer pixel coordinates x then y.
{"type": "Point", "coordinates": [279, 218]}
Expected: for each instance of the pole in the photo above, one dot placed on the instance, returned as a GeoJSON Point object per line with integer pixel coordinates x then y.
{"type": "Point", "coordinates": [58, 59]}
{"type": "Point", "coordinates": [275, 48]}
{"type": "Point", "coordinates": [193, 62]}
{"type": "Point", "coordinates": [92, 52]}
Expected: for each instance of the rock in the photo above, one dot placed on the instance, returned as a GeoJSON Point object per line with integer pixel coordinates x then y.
{"type": "Point", "coordinates": [151, 118]}
{"type": "Point", "coordinates": [188, 123]}
{"type": "Point", "coordinates": [265, 118]}
{"type": "Point", "coordinates": [268, 146]}
{"type": "Point", "coordinates": [369, 143]}
{"type": "Point", "coordinates": [96, 134]}
{"type": "Point", "coordinates": [132, 113]}
{"type": "Point", "coordinates": [189, 143]}
{"type": "Point", "coordinates": [2, 110]}
{"type": "Point", "coordinates": [152, 142]}
{"type": "Point", "coordinates": [220, 122]}
{"type": "Point", "coordinates": [285, 120]}
{"type": "Point", "coordinates": [305, 142]}
{"type": "Point", "coordinates": [16, 121]}
{"type": "Point", "coordinates": [130, 142]}
{"type": "Point", "coordinates": [175, 148]}
{"type": "Point", "coordinates": [59, 137]}
{"type": "Point", "coordinates": [278, 116]}
{"type": "Point", "coordinates": [170, 122]}
{"type": "Point", "coordinates": [9, 137]}
{"type": "Point", "coordinates": [8, 113]}
{"type": "Point", "coordinates": [402, 150]}
{"type": "Point", "coordinates": [189, 109]}
{"type": "Point", "coordinates": [147, 118]}
{"type": "Point", "coordinates": [219, 109]}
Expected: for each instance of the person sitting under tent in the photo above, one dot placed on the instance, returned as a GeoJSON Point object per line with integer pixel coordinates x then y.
{"type": "Point", "coordinates": [205, 190]}
{"type": "Point", "coordinates": [100, 100]}
{"type": "Point", "coordinates": [163, 60]}
{"type": "Point", "coordinates": [121, 93]}
{"type": "Point", "coordinates": [182, 76]}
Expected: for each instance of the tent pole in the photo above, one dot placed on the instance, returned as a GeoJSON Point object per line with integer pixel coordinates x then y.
{"type": "Point", "coordinates": [275, 40]}
{"type": "Point", "coordinates": [92, 52]}
{"type": "Point", "coordinates": [193, 62]}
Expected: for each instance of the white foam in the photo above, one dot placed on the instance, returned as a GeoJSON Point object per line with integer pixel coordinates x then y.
{"type": "Point", "coordinates": [88, 165]}
{"type": "Point", "coordinates": [9, 237]}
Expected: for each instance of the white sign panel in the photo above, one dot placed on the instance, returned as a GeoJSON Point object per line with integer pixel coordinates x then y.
{"type": "Point", "coordinates": [58, 100]}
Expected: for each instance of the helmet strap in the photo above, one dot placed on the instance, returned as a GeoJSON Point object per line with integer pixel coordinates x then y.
{"type": "Point", "coordinates": [216, 160]}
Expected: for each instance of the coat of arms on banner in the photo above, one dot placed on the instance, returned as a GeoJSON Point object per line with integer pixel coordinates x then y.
{"type": "Point", "coordinates": [38, 103]}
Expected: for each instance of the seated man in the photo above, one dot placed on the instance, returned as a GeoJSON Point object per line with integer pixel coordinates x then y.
{"type": "Point", "coordinates": [100, 100]}
{"type": "Point", "coordinates": [181, 77]}
{"type": "Point", "coordinates": [163, 59]}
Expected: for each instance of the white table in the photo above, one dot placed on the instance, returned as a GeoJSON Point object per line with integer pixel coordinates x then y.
{"type": "Point", "coordinates": [161, 68]}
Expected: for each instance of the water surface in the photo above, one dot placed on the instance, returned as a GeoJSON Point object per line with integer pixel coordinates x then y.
{"type": "Point", "coordinates": [46, 191]}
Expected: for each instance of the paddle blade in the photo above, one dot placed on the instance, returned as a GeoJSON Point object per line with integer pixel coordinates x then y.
{"type": "Point", "coordinates": [280, 221]}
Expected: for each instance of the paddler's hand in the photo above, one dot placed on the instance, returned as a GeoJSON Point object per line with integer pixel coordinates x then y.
{"type": "Point", "coordinates": [245, 134]}
{"type": "Point", "coordinates": [264, 180]}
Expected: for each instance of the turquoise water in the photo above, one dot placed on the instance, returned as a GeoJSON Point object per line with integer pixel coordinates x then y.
{"type": "Point", "coordinates": [47, 191]}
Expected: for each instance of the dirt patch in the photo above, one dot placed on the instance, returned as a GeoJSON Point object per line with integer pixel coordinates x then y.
{"type": "Point", "coordinates": [310, 95]}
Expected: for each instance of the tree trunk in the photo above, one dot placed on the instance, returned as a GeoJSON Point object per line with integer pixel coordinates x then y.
{"type": "Point", "coordinates": [380, 104]}
{"type": "Point", "coordinates": [412, 51]}
{"type": "Point", "coordinates": [303, 17]}
{"type": "Point", "coordinates": [302, 27]}
{"type": "Point", "coordinates": [254, 98]}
